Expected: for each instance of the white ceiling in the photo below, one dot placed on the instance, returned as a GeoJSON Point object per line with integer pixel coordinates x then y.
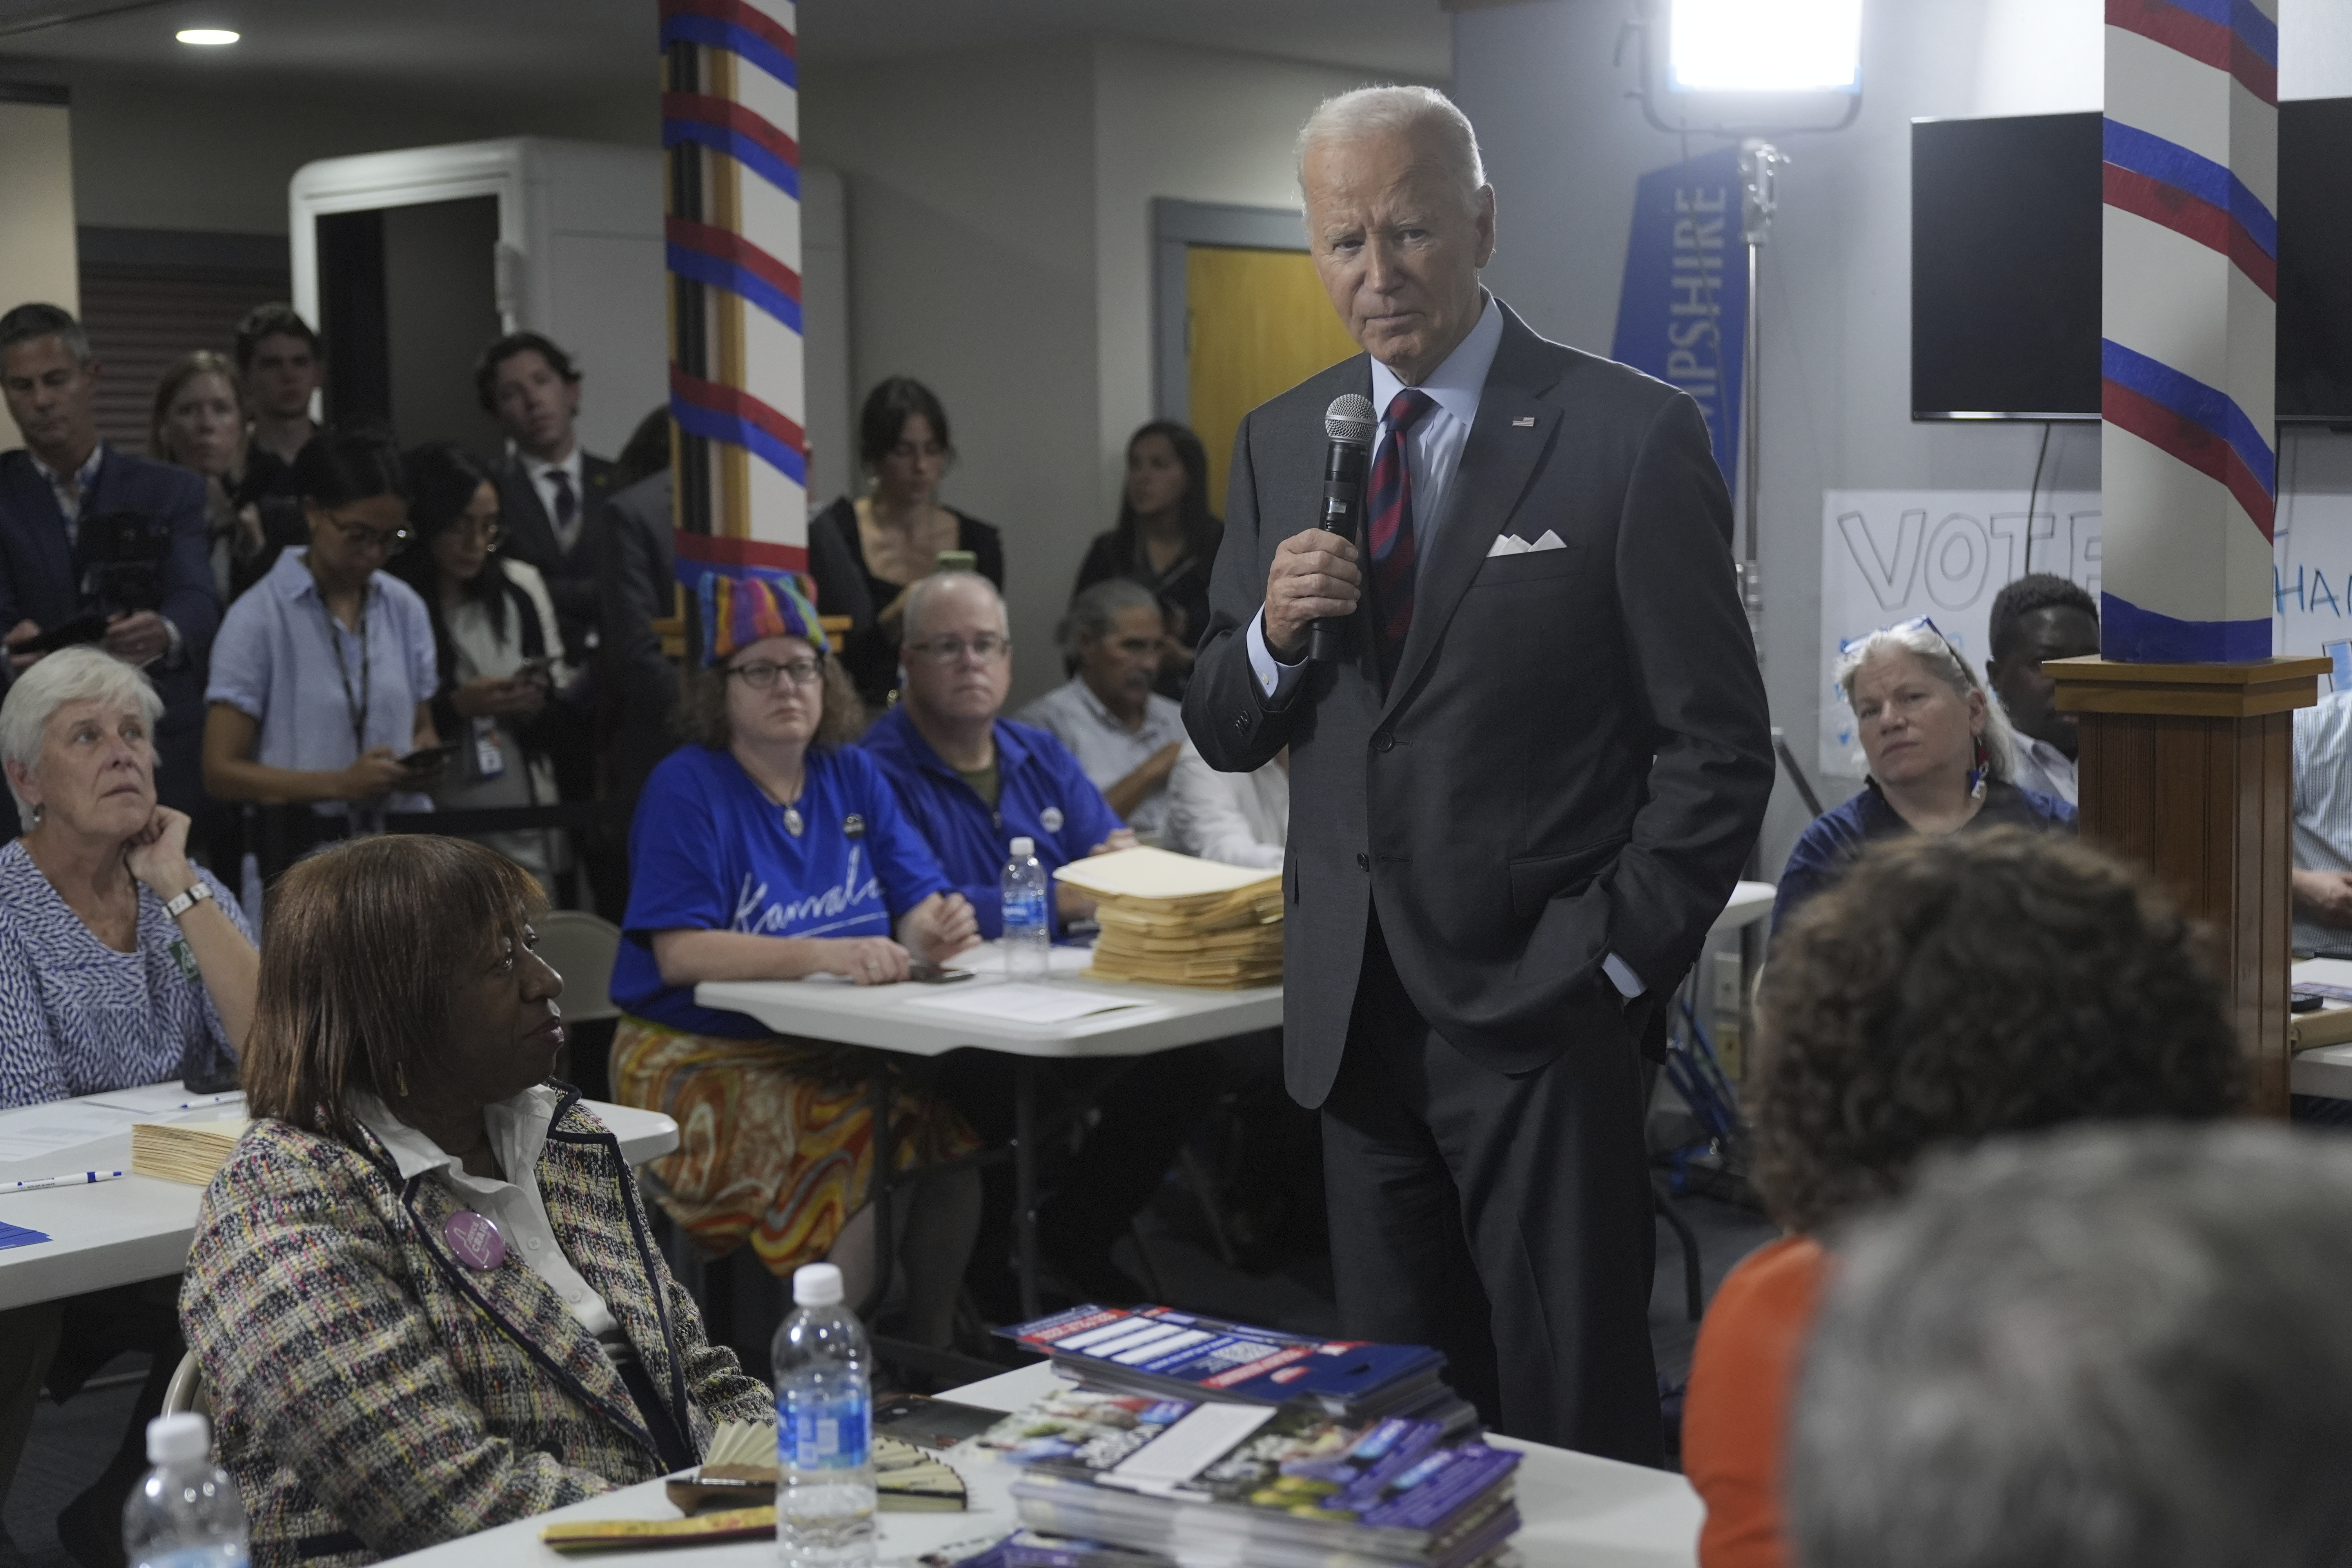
{"type": "Point", "coordinates": [535, 47]}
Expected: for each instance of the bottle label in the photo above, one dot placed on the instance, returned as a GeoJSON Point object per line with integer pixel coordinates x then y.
{"type": "Point", "coordinates": [815, 1432]}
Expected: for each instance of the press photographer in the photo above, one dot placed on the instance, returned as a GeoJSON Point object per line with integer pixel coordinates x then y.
{"type": "Point", "coordinates": [100, 546]}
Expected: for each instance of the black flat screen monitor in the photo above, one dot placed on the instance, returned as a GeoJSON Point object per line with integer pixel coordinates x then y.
{"type": "Point", "coordinates": [2005, 226]}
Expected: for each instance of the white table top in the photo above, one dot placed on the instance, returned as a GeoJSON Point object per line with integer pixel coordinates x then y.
{"type": "Point", "coordinates": [114, 1233]}
{"type": "Point", "coordinates": [900, 1017]}
{"type": "Point", "coordinates": [1580, 1512]}
{"type": "Point", "coordinates": [2326, 1071]}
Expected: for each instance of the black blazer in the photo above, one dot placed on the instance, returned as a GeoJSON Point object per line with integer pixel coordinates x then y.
{"type": "Point", "coordinates": [41, 581]}
{"type": "Point", "coordinates": [571, 576]}
{"type": "Point", "coordinates": [1576, 755]}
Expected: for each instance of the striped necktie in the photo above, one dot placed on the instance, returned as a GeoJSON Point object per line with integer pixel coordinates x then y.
{"type": "Point", "coordinates": [1390, 512]}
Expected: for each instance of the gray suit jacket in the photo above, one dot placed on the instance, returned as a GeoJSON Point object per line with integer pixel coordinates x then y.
{"type": "Point", "coordinates": [1576, 755]}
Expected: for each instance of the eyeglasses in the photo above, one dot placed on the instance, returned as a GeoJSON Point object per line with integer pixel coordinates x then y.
{"type": "Point", "coordinates": [761, 674]}
{"type": "Point", "coordinates": [360, 536]}
{"type": "Point", "coordinates": [1917, 623]}
{"type": "Point", "coordinates": [987, 648]}
{"type": "Point", "coordinates": [491, 533]}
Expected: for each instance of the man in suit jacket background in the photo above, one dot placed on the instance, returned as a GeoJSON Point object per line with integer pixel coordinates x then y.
{"type": "Point", "coordinates": [1519, 800]}
{"type": "Point", "coordinates": [549, 488]}
{"type": "Point", "coordinates": [64, 476]}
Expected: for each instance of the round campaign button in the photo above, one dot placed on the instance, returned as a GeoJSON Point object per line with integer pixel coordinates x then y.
{"type": "Point", "coordinates": [475, 1239]}
{"type": "Point", "coordinates": [1050, 819]}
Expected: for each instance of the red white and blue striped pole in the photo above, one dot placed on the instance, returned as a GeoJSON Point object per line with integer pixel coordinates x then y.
{"type": "Point", "coordinates": [730, 125]}
{"type": "Point", "coordinates": [2190, 310]}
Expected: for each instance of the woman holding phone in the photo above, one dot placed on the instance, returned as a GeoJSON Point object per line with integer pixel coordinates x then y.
{"type": "Point", "coordinates": [493, 633]}
{"type": "Point", "coordinates": [323, 674]}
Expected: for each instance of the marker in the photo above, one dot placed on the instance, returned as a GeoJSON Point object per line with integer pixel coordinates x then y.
{"type": "Point", "coordinates": [41, 1183]}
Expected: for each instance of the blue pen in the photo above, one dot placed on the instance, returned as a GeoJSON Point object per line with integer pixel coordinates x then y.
{"type": "Point", "coordinates": [79, 1179]}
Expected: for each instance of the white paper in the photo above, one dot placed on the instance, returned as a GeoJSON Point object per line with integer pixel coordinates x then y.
{"type": "Point", "coordinates": [38, 1130]}
{"type": "Point", "coordinates": [1191, 1445]}
{"type": "Point", "coordinates": [988, 958]}
{"type": "Point", "coordinates": [1019, 1001]}
{"type": "Point", "coordinates": [164, 1097]}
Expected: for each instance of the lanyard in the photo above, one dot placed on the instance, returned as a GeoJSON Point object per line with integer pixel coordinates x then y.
{"type": "Point", "coordinates": [357, 708]}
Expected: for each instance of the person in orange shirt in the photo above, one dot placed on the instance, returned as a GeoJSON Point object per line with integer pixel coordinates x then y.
{"type": "Point", "coordinates": [1947, 990]}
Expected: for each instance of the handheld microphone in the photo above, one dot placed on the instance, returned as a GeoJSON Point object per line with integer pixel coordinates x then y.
{"type": "Point", "coordinates": [1349, 423]}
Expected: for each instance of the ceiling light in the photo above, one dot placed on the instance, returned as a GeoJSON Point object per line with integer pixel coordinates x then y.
{"type": "Point", "coordinates": [208, 37]}
{"type": "Point", "coordinates": [1765, 46]}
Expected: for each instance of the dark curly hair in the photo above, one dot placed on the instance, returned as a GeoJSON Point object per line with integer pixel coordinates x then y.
{"type": "Point", "coordinates": [1952, 988]}
{"type": "Point", "coordinates": [2022, 596]}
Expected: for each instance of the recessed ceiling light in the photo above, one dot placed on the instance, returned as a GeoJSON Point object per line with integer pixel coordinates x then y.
{"type": "Point", "coordinates": [207, 37]}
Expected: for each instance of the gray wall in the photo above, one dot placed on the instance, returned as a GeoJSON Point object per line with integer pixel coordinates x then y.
{"type": "Point", "coordinates": [970, 183]}
{"type": "Point", "coordinates": [1564, 146]}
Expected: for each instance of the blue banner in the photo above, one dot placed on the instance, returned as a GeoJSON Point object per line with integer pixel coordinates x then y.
{"type": "Point", "coordinates": [1683, 315]}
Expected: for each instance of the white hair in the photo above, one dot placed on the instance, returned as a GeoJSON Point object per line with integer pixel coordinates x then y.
{"type": "Point", "coordinates": [926, 589]}
{"type": "Point", "coordinates": [1406, 110]}
{"type": "Point", "coordinates": [68, 675]}
{"type": "Point", "coordinates": [1941, 659]}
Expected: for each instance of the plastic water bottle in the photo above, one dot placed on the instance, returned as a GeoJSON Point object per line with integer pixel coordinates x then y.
{"type": "Point", "coordinates": [825, 1407]}
{"type": "Point", "coordinates": [1027, 937]}
{"type": "Point", "coordinates": [185, 1513]}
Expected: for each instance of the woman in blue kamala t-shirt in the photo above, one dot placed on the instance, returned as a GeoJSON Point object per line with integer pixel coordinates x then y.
{"type": "Point", "coordinates": [769, 850]}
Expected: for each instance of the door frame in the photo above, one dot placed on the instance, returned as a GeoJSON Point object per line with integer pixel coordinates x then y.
{"type": "Point", "coordinates": [1176, 226]}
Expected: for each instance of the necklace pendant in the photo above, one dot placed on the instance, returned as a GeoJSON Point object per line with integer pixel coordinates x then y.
{"type": "Point", "coordinates": [793, 824]}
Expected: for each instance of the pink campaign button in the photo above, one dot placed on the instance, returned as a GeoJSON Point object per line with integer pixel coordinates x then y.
{"type": "Point", "coordinates": [475, 1239]}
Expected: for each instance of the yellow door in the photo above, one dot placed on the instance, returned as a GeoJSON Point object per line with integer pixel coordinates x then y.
{"type": "Point", "coordinates": [1259, 324]}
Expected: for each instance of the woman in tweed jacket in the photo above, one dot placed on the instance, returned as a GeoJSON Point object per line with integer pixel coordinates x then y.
{"type": "Point", "coordinates": [382, 1379]}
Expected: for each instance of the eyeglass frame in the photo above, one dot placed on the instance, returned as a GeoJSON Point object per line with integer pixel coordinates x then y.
{"type": "Point", "coordinates": [956, 647]}
{"type": "Point", "coordinates": [361, 535]}
{"type": "Point", "coordinates": [776, 668]}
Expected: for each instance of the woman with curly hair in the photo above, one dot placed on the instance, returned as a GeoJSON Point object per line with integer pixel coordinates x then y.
{"type": "Point", "coordinates": [1944, 991]}
{"type": "Point", "coordinates": [769, 849]}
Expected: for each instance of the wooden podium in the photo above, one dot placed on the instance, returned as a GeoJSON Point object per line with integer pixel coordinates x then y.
{"type": "Point", "coordinates": [2189, 770]}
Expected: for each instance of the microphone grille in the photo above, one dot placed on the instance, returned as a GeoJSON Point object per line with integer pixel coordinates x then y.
{"type": "Point", "coordinates": [1349, 419]}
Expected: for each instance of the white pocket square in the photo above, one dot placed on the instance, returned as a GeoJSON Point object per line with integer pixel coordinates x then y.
{"type": "Point", "coordinates": [1549, 541]}
{"type": "Point", "coordinates": [1512, 544]}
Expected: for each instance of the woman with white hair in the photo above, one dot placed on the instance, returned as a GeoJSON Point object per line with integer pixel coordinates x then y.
{"type": "Point", "coordinates": [1942, 759]}
{"type": "Point", "coordinates": [120, 965]}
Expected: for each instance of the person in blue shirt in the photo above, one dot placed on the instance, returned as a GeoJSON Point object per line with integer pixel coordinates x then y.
{"type": "Point", "coordinates": [767, 849]}
{"type": "Point", "coordinates": [973, 782]}
{"type": "Point", "coordinates": [1941, 758]}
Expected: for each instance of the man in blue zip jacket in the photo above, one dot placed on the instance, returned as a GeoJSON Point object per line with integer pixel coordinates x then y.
{"type": "Point", "coordinates": [973, 782]}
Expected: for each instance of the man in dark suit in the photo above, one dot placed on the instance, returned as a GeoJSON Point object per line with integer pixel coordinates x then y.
{"type": "Point", "coordinates": [51, 572]}
{"type": "Point", "coordinates": [1518, 801]}
{"type": "Point", "coordinates": [549, 488]}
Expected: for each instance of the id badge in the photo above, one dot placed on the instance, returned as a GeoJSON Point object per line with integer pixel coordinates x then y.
{"type": "Point", "coordinates": [489, 757]}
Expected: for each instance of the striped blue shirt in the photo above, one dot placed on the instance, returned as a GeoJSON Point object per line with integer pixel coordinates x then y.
{"type": "Point", "coordinates": [2323, 801]}
{"type": "Point", "coordinates": [78, 1017]}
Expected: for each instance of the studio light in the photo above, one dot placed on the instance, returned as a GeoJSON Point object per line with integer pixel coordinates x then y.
{"type": "Point", "coordinates": [207, 37]}
{"type": "Point", "coordinates": [1765, 45]}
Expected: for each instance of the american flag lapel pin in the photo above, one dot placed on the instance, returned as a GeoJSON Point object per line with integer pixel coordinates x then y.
{"type": "Point", "coordinates": [1525, 423]}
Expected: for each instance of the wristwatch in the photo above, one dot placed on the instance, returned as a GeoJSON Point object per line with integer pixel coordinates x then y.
{"type": "Point", "coordinates": [187, 900]}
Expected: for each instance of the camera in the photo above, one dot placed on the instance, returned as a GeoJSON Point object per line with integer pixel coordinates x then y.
{"type": "Point", "coordinates": [123, 555]}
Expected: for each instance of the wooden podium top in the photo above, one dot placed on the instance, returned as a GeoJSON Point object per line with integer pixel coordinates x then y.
{"type": "Point", "coordinates": [2094, 685]}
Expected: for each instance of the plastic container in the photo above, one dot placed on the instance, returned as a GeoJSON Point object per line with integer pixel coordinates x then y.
{"type": "Point", "coordinates": [186, 1512]}
{"type": "Point", "coordinates": [824, 1412]}
{"type": "Point", "coordinates": [1028, 939]}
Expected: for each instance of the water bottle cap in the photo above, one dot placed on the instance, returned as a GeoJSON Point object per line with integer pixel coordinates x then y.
{"type": "Point", "coordinates": [178, 1438]}
{"type": "Point", "coordinates": [1024, 847]}
{"type": "Point", "coordinates": [816, 1284]}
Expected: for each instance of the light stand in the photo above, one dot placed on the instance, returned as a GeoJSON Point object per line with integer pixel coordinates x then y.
{"type": "Point", "coordinates": [1759, 168]}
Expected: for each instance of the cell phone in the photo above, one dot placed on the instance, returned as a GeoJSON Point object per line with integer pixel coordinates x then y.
{"type": "Point", "coordinates": [926, 974]}
{"type": "Point", "coordinates": [89, 626]}
{"type": "Point", "coordinates": [957, 560]}
{"type": "Point", "coordinates": [930, 1423]}
{"type": "Point", "coordinates": [430, 756]}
